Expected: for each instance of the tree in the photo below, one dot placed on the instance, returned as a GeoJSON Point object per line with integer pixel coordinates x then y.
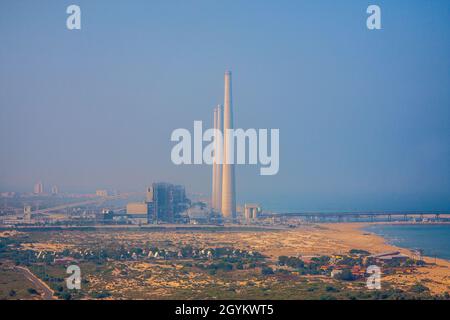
{"type": "Point", "coordinates": [359, 252]}
{"type": "Point", "coordinates": [101, 295]}
{"type": "Point", "coordinates": [345, 275]}
{"type": "Point", "coordinates": [32, 291]}
{"type": "Point", "coordinates": [282, 260]}
{"type": "Point", "coordinates": [267, 271]}
{"type": "Point", "coordinates": [293, 262]}
{"type": "Point", "coordinates": [327, 297]}
{"type": "Point", "coordinates": [419, 288]}
{"type": "Point", "coordinates": [66, 296]}
{"type": "Point", "coordinates": [331, 289]}
{"type": "Point", "coordinates": [321, 261]}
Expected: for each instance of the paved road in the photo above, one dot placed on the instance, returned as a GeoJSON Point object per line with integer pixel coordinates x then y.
{"type": "Point", "coordinates": [83, 203]}
{"type": "Point", "coordinates": [41, 285]}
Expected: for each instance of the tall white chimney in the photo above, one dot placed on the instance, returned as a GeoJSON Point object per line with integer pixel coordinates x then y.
{"type": "Point", "coordinates": [218, 150]}
{"type": "Point", "coordinates": [228, 179]}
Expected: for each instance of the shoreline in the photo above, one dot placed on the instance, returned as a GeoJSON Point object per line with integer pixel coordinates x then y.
{"type": "Point", "coordinates": [363, 227]}
{"type": "Point", "coordinates": [360, 227]}
{"type": "Point", "coordinates": [435, 275]}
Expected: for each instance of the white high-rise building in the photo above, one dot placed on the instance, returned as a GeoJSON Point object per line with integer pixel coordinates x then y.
{"type": "Point", "coordinates": [39, 188]}
{"type": "Point", "coordinates": [27, 213]}
{"type": "Point", "coordinates": [228, 178]}
{"type": "Point", "coordinates": [55, 190]}
{"type": "Point", "coordinates": [149, 194]}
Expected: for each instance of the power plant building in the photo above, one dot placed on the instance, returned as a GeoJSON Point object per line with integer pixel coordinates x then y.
{"type": "Point", "coordinates": [168, 202]}
{"type": "Point", "coordinates": [251, 211]}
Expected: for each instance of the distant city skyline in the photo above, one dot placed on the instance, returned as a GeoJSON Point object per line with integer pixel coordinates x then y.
{"type": "Point", "coordinates": [363, 113]}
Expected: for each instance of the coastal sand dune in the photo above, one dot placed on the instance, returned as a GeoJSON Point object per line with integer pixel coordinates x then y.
{"type": "Point", "coordinates": [306, 240]}
{"type": "Point", "coordinates": [324, 239]}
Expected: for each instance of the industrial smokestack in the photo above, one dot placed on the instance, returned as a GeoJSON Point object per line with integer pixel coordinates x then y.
{"type": "Point", "coordinates": [228, 182]}
{"type": "Point", "coordinates": [217, 165]}
{"type": "Point", "coordinates": [214, 173]}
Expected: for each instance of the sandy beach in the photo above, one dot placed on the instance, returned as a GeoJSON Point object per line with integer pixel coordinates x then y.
{"type": "Point", "coordinates": [351, 235]}
{"type": "Point", "coordinates": [339, 238]}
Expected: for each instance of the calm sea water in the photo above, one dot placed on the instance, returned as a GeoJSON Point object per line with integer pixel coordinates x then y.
{"type": "Point", "coordinates": [434, 240]}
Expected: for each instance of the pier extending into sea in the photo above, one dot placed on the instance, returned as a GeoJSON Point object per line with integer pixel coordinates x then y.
{"type": "Point", "coordinates": [418, 216]}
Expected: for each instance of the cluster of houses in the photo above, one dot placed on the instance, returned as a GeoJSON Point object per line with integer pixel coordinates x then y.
{"type": "Point", "coordinates": [356, 264]}
{"type": "Point", "coordinates": [333, 265]}
{"type": "Point", "coordinates": [73, 256]}
{"type": "Point", "coordinates": [204, 253]}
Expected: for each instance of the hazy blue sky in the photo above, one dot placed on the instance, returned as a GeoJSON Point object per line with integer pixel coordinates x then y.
{"type": "Point", "coordinates": [364, 116]}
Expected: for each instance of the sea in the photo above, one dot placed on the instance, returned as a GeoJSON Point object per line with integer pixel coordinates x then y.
{"type": "Point", "coordinates": [433, 239]}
